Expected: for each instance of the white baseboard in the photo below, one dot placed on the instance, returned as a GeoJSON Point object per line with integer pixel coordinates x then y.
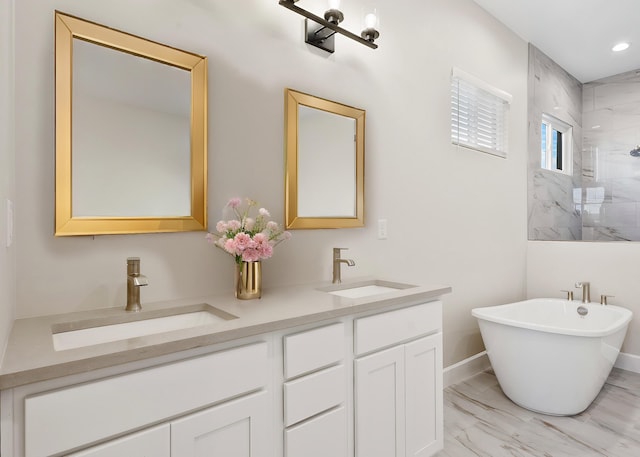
{"type": "Point", "coordinates": [628, 362]}
{"type": "Point", "coordinates": [466, 368]}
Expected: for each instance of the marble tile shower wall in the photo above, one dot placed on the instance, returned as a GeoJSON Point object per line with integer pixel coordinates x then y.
{"type": "Point", "coordinates": [601, 200]}
{"type": "Point", "coordinates": [553, 198]}
{"type": "Point", "coordinates": [611, 173]}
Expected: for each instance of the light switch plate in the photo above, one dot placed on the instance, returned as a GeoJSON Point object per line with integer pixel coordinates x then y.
{"type": "Point", "coordinates": [382, 229]}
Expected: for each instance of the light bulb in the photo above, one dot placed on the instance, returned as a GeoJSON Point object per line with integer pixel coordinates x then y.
{"type": "Point", "coordinates": [370, 25]}
{"type": "Point", "coordinates": [334, 4]}
{"type": "Point", "coordinates": [370, 21]}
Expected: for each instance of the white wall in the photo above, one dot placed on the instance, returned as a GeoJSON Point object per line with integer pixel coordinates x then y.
{"type": "Point", "coordinates": [611, 267]}
{"type": "Point", "coordinates": [455, 216]}
{"type": "Point", "coordinates": [7, 185]}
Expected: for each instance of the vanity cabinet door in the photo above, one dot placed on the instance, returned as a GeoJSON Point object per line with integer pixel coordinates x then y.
{"type": "Point", "coordinates": [154, 442]}
{"type": "Point", "coordinates": [424, 398]}
{"type": "Point", "coordinates": [239, 428]}
{"type": "Point", "coordinates": [398, 400]}
{"type": "Point", "coordinates": [379, 404]}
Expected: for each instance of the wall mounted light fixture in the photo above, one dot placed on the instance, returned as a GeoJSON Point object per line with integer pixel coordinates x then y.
{"type": "Point", "coordinates": [321, 32]}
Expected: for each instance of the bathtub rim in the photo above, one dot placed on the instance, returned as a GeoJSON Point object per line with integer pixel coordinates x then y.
{"type": "Point", "coordinates": [626, 315]}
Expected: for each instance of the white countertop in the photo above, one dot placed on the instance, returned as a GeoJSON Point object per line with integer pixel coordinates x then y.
{"type": "Point", "coordinates": [30, 356]}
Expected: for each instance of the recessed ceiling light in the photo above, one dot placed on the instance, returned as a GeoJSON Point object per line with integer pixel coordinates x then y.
{"type": "Point", "coordinates": [620, 46]}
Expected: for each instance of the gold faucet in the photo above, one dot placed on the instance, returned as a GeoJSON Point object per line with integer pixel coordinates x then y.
{"type": "Point", "coordinates": [336, 264]}
{"type": "Point", "coordinates": [134, 281]}
{"type": "Point", "coordinates": [586, 291]}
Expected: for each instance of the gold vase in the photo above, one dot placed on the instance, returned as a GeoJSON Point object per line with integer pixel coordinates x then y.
{"type": "Point", "coordinates": [248, 280]}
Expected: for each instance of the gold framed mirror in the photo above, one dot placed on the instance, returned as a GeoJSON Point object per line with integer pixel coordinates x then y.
{"type": "Point", "coordinates": [324, 176]}
{"type": "Point", "coordinates": [131, 133]}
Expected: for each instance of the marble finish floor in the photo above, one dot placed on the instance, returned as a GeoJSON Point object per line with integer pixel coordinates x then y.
{"type": "Point", "coordinates": [481, 421]}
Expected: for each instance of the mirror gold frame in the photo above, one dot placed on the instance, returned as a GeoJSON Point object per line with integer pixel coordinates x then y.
{"type": "Point", "coordinates": [293, 101]}
{"type": "Point", "coordinates": [66, 29]}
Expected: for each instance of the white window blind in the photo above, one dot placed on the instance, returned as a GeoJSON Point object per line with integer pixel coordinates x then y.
{"type": "Point", "coordinates": [479, 114]}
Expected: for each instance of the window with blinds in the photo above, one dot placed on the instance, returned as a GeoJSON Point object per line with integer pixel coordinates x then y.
{"type": "Point", "coordinates": [479, 114]}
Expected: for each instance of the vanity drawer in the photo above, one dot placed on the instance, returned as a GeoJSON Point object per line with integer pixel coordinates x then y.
{"type": "Point", "coordinates": [322, 436]}
{"type": "Point", "coordinates": [393, 327]}
{"type": "Point", "coordinates": [313, 349]}
{"type": "Point", "coordinates": [314, 393]}
{"type": "Point", "coordinates": [79, 415]}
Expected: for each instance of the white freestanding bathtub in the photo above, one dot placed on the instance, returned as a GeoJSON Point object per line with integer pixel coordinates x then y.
{"type": "Point", "coordinates": [547, 356]}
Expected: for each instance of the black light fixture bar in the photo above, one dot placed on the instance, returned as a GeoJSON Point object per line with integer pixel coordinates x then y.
{"type": "Point", "coordinates": [290, 4]}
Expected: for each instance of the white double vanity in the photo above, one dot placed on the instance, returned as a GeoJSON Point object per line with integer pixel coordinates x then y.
{"type": "Point", "coordinates": [307, 371]}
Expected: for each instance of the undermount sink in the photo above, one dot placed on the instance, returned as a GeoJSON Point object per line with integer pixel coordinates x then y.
{"type": "Point", "coordinates": [364, 289]}
{"type": "Point", "coordinates": [71, 335]}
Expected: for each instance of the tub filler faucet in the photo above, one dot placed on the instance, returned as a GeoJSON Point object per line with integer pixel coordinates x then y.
{"type": "Point", "coordinates": [134, 281]}
{"type": "Point", "coordinates": [337, 260]}
{"type": "Point", "coordinates": [586, 291]}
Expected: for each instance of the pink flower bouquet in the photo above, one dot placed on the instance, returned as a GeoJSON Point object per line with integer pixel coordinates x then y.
{"type": "Point", "coordinates": [246, 238]}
